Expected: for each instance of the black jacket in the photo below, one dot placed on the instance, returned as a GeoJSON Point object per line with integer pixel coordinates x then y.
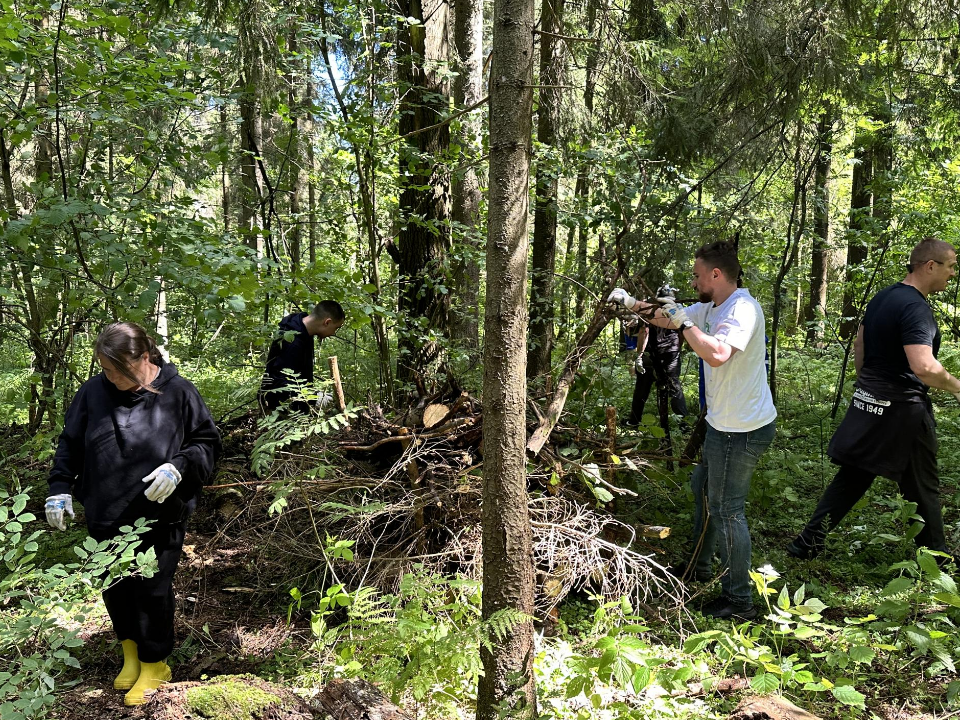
{"type": "Point", "coordinates": [112, 439]}
{"type": "Point", "coordinates": [295, 354]}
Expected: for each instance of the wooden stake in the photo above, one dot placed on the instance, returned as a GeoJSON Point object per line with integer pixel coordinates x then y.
{"type": "Point", "coordinates": [337, 386]}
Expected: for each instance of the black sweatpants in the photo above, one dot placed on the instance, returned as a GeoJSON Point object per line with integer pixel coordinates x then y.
{"type": "Point", "coordinates": [141, 608]}
{"type": "Point", "coordinates": [664, 370]}
{"type": "Point", "coordinates": [919, 483]}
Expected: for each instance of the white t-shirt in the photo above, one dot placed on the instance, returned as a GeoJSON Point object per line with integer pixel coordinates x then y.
{"type": "Point", "coordinates": [738, 397]}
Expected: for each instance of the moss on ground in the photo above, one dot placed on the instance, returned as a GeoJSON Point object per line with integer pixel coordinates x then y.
{"type": "Point", "coordinates": [230, 700]}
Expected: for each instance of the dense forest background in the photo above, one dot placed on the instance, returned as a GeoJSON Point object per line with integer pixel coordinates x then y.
{"type": "Point", "coordinates": [205, 168]}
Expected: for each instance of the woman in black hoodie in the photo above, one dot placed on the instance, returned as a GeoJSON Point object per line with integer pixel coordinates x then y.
{"type": "Point", "coordinates": [137, 442]}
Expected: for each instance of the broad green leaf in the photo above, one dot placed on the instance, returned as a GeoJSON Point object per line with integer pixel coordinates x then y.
{"type": "Point", "coordinates": [765, 682]}
{"type": "Point", "coordinates": [918, 637]}
{"type": "Point", "coordinates": [897, 586]}
{"type": "Point", "coordinates": [848, 695]}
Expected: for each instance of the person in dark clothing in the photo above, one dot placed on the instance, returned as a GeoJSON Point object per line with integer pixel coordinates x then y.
{"type": "Point", "coordinates": [889, 429]}
{"type": "Point", "coordinates": [292, 352]}
{"type": "Point", "coordinates": [137, 442]}
{"type": "Point", "coordinates": [658, 362]}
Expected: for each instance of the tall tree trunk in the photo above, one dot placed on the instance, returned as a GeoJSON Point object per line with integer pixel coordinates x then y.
{"type": "Point", "coordinates": [43, 159]}
{"type": "Point", "coordinates": [293, 159]}
{"type": "Point", "coordinates": [425, 185]}
{"type": "Point", "coordinates": [311, 170]}
{"type": "Point", "coordinates": [540, 346]}
{"type": "Point", "coordinates": [225, 164]}
{"type": "Point", "coordinates": [582, 189]}
{"type": "Point", "coordinates": [802, 172]}
{"type": "Point", "coordinates": [860, 202]}
{"type": "Point", "coordinates": [251, 141]}
{"type": "Point", "coordinates": [819, 258]}
{"type": "Point", "coordinates": [465, 191]}
{"type": "Point", "coordinates": [507, 686]}
{"type": "Point", "coordinates": [881, 184]}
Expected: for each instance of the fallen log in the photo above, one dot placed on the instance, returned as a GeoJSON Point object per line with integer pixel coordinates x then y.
{"type": "Point", "coordinates": [357, 700]}
{"type": "Point", "coordinates": [771, 707]}
{"type": "Point", "coordinates": [601, 317]}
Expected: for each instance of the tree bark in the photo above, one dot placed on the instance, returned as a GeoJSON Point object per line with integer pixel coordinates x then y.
{"type": "Point", "coordinates": [311, 169]}
{"type": "Point", "coordinates": [293, 159]}
{"type": "Point", "coordinates": [467, 91]}
{"type": "Point", "coordinates": [251, 140]}
{"type": "Point", "coordinates": [507, 684]}
{"type": "Point", "coordinates": [819, 260]}
{"type": "Point", "coordinates": [225, 207]}
{"type": "Point", "coordinates": [424, 235]}
{"type": "Point", "coordinates": [582, 190]}
{"type": "Point", "coordinates": [540, 346]}
{"type": "Point", "coordinates": [860, 202]}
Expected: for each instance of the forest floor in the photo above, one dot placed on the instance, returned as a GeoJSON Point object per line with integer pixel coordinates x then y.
{"type": "Point", "coordinates": [227, 624]}
{"type": "Point", "coordinates": [241, 561]}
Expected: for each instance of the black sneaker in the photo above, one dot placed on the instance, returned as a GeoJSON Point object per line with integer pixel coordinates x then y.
{"type": "Point", "coordinates": [725, 607]}
{"type": "Point", "coordinates": [801, 551]}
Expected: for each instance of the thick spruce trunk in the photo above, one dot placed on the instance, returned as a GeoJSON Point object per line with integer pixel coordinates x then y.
{"type": "Point", "coordinates": [507, 685]}
{"type": "Point", "coordinates": [424, 236]}
{"type": "Point", "coordinates": [467, 91]}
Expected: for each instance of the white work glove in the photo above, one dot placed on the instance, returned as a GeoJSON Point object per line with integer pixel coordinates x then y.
{"type": "Point", "coordinates": [163, 481]}
{"type": "Point", "coordinates": [619, 295]}
{"type": "Point", "coordinates": [55, 507]}
{"type": "Point", "coordinates": [673, 312]}
{"type": "Point", "coordinates": [324, 399]}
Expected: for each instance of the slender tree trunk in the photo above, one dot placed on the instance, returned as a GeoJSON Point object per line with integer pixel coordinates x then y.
{"type": "Point", "coordinates": [251, 141]}
{"type": "Point", "coordinates": [507, 686]}
{"type": "Point", "coordinates": [293, 159]}
{"type": "Point", "coordinates": [225, 164]}
{"type": "Point", "coordinates": [582, 189]}
{"type": "Point", "coordinates": [819, 258]}
{"type": "Point", "coordinates": [860, 202]}
{"type": "Point", "coordinates": [425, 186]}
{"type": "Point", "coordinates": [540, 347]}
{"type": "Point", "coordinates": [43, 159]}
{"type": "Point", "coordinates": [311, 170]}
{"type": "Point", "coordinates": [465, 191]}
{"type": "Point", "coordinates": [9, 198]}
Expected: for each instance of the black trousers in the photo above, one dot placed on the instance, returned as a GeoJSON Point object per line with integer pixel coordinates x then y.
{"type": "Point", "coordinates": [919, 483]}
{"type": "Point", "coordinates": [141, 608]}
{"type": "Point", "coordinates": [664, 370]}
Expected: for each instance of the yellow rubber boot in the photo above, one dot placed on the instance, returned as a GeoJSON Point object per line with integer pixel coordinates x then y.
{"type": "Point", "coordinates": [152, 676]}
{"type": "Point", "coordinates": [131, 667]}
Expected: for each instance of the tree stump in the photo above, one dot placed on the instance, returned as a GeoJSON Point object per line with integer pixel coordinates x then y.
{"type": "Point", "coordinates": [357, 700]}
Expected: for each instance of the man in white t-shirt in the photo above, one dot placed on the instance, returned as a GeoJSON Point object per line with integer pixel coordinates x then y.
{"type": "Point", "coordinates": [726, 330]}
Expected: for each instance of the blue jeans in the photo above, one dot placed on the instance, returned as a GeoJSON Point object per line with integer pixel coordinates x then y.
{"type": "Point", "coordinates": [720, 483]}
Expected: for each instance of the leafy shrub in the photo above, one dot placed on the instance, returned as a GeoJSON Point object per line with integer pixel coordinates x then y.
{"type": "Point", "coordinates": [43, 608]}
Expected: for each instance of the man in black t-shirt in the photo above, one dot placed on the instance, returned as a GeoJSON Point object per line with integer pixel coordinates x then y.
{"type": "Point", "coordinates": [889, 428]}
{"type": "Point", "coordinates": [292, 350]}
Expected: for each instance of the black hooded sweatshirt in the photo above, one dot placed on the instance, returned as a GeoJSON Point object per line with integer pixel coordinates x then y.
{"type": "Point", "coordinates": [113, 438]}
{"type": "Point", "coordinates": [295, 355]}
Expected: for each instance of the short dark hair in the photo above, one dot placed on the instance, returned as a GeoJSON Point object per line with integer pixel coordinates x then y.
{"type": "Point", "coordinates": [721, 254]}
{"type": "Point", "coordinates": [930, 248]}
{"type": "Point", "coordinates": [123, 343]}
{"type": "Point", "coordinates": [329, 309]}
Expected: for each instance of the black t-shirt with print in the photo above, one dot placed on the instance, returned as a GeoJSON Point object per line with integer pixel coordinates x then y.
{"type": "Point", "coordinates": [898, 315]}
